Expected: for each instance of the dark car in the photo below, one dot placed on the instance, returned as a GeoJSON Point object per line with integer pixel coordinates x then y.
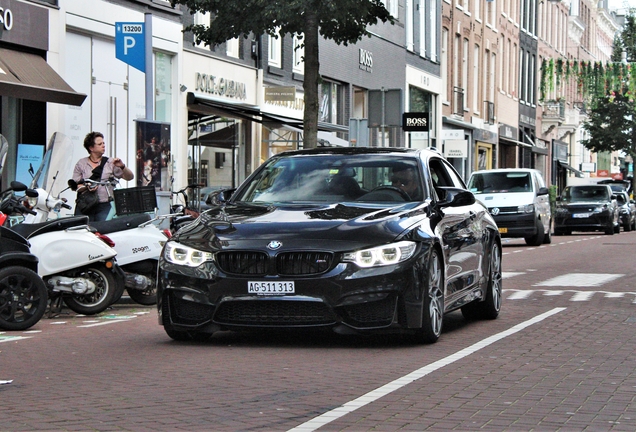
{"type": "Point", "coordinates": [626, 211]}
{"type": "Point", "coordinates": [351, 239]}
{"type": "Point", "coordinates": [587, 208]}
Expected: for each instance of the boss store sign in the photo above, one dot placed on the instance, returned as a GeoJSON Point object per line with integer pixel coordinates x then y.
{"type": "Point", "coordinates": [415, 121]}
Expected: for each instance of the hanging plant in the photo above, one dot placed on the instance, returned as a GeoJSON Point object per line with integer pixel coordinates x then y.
{"type": "Point", "coordinates": [567, 70]}
{"type": "Point", "coordinates": [544, 77]}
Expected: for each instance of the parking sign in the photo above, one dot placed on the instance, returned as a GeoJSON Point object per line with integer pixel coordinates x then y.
{"type": "Point", "coordinates": [130, 44]}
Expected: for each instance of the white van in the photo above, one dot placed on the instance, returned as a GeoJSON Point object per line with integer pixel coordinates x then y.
{"type": "Point", "coordinates": [518, 200]}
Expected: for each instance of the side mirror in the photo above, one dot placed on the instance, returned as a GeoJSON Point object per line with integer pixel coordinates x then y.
{"type": "Point", "coordinates": [455, 197]}
{"type": "Point", "coordinates": [219, 197]}
{"type": "Point", "coordinates": [543, 191]}
{"type": "Point", "coordinates": [72, 184]}
{"type": "Point", "coordinates": [17, 186]}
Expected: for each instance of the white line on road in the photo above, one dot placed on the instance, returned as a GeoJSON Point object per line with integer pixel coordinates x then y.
{"type": "Point", "coordinates": [376, 394]}
{"type": "Point", "coordinates": [582, 296]}
{"type": "Point", "coordinates": [104, 323]}
{"type": "Point", "coordinates": [13, 338]}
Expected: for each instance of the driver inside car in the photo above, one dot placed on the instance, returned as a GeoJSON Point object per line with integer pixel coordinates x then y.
{"type": "Point", "coordinates": [406, 179]}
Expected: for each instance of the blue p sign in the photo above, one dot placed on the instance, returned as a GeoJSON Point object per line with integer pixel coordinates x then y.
{"type": "Point", "coordinates": [130, 44]}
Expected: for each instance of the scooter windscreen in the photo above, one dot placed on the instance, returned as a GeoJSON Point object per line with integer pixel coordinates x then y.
{"type": "Point", "coordinates": [56, 166]}
{"type": "Point", "coordinates": [4, 148]}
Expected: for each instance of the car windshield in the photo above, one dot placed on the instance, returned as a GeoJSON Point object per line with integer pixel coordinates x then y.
{"type": "Point", "coordinates": [500, 182]}
{"type": "Point", "coordinates": [585, 194]}
{"type": "Point", "coordinates": [334, 178]}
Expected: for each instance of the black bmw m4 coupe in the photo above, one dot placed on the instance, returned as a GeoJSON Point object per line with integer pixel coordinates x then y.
{"type": "Point", "coordinates": [357, 240]}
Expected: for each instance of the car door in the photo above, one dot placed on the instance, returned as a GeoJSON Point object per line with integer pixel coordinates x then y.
{"type": "Point", "coordinates": [461, 232]}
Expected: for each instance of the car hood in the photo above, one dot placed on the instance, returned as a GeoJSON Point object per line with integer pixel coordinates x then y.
{"type": "Point", "coordinates": [308, 227]}
{"type": "Point", "coordinates": [503, 199]}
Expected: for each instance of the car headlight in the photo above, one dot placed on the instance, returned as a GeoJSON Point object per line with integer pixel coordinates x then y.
{"type": "Point", "coordinates": [529, 208]}
{"type": "Point", "coordinates": [176, 253]}
{"type": "Point", "coordinates": [601, 209]}
{"type": "Point", "coordinates": [382, 255]}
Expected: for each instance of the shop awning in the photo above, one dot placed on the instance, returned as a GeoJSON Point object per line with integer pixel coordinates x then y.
{"type": "Point", "coordinates": [206, 105]}
{"type": "Point", "coordinates": [29, 76]}
{"type": "Point", "coordinates": [568, 167]}
{"type": "Point", "coordinates": [514, 142]}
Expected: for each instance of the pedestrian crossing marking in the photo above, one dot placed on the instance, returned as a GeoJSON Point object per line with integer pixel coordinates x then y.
{"type": "Point", "coordinates": [507, 275]}
{"type": "Point", "coordinates": [576, 296]}
{"type": "Point", "coordinates": [580, 279]}
{"type": "Point", "coordinates": [582, 296]}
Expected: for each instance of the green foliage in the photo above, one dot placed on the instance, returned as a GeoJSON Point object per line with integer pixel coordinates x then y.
{"type": "Point", "coordinates": [611, 124]}
{"type": "Point", "coordinates": [553, 195]}
{"type": "Point", "coordinates": [343, 21]}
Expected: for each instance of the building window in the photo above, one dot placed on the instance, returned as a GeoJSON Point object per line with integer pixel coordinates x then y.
{"type": "Point", "coordinates": [299, 54]}
{"type": "Point", "coordinates": [392, 7]}
{"type": "Point", "coordinates": [232, 47]}
{"type": "Point", "coordinates": [444, 62]}
{"type": "Point", "coordinates": [201, 19]}
{"type": "Point", "coordinates": [476, 79]}
{"type": "Point", "coordinates": [275, 52]}
{"type": "Point", "coordinates": [163, 85]}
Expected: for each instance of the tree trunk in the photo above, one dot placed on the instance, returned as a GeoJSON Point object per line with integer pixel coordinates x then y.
{"type": "Point", "coordinates": [311, 81]}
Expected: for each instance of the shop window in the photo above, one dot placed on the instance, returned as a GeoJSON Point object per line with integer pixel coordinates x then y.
{"type": "Point", "coordinates": [219, 160]}
{"type": "Point", "coordinates": [331, 103]}
{"type": "Point", "coordinates": [163, 86]}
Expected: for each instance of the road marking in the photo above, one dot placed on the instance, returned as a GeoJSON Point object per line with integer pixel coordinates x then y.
{"type": "Point", "coordinates": [614, 294]}
{"type": "Point", "coordinates": [582, 296]}
{"type": "Point", "coordinates": [112, 321]}
{"type": "Point", "coordinates": [13, 338]}
{"type": "Point", "coordinates": [386, 389]}
{"type": "Point", "coordinates": [507, 275]}
{"type": "Point", "coordinates": [580, 279]}
{"type": "Point", "coordinates": [519, 295]}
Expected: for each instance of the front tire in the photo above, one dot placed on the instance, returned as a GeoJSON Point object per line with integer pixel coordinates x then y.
{"type": "Point", "coordinates": [98, 301]}
{"type": "Point", "coordinates": [490, 307]}
{"type": "Point", "coordinates": [148, 296]}
{"type": "Point", "coordinates": [433, 307]}
{"type": "Point", "coordinates": [537, 239]}
{"type": "Point", "coordinates": [23, 298]}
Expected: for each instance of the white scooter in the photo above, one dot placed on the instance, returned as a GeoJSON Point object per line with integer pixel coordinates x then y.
{"type": "Point", "coordinates": [77, 267]}
{"type": "Point", "coordinates": [135, 238]}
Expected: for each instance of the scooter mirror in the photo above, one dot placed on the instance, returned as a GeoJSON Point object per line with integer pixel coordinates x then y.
{"type": "Point", "coordinates": [72, 184]}
{"type": "Point", "coordinates": [31, 193]}
{"type": "Point", "coordinates": [18, 187]}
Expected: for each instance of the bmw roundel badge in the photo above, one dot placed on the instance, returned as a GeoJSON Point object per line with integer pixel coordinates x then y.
{"type": "Point", "coordinates": [273, 245]}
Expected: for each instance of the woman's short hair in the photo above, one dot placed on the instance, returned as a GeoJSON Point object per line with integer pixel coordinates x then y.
{"type": "Point", "coordinates": [89, 140]}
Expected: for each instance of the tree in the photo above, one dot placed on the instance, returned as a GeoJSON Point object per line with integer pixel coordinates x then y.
{"type": "Point", "coordinates": [343, 21]}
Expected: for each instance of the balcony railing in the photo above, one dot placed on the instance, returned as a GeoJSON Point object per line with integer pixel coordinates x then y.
{"type": "Point", "coordinates": [458, 101]}
{"type": "Point", "coordinates": [554, 110]}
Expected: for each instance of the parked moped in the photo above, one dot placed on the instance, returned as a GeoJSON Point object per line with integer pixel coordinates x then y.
{"type": "Point", "coordinates": [23, 295]}
{"type": "Point", "coordinates": [77, 267]}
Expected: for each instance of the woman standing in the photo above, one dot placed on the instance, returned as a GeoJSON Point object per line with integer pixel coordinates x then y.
{"type": "Point", "coordinates": [98, 167]}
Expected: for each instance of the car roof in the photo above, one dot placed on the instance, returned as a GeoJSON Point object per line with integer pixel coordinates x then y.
{"type": "Point", "coordinates": [359, 151]}
{"type": "Point", "coordinates": [500, 170]}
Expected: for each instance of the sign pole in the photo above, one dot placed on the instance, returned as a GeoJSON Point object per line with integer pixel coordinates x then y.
{"type": "Point", "coordinates": [149, 69]}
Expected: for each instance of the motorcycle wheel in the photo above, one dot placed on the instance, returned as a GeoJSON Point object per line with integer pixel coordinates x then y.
{"type": "Point", "coordinates": [98, 301]}
{"type": "Point", "coordinates": [148, 296]}
{"type": "Point", "coordinates": [23, 298]}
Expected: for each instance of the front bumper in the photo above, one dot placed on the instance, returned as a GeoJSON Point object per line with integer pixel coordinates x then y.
{"type": "Point", "coordinates": [516, 225]}
{"type": "Point", "coordinates": [359, 299]}
{"type": "Point", "coordinates": [594, 222]}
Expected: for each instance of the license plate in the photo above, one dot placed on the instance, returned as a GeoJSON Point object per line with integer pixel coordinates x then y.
{"type": "Point", "coordinates": [581, 215]}
{"type": "Point", "coordinates": [271, 288]}
{"type": "Point", "coordinates": [503, 230]}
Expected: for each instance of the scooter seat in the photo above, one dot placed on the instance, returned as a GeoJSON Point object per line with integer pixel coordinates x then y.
{"type": "Point", "coordinates": [30, 230]}
{"type": "Point", "coordinates": [121, 223]}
